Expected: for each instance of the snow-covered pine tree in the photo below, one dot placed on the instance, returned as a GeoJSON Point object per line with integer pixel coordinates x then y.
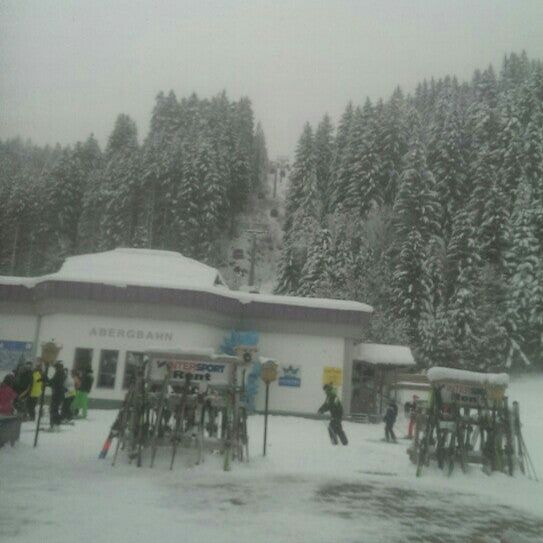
{"type": "Point", "coordinates": [339, 177]}
{"type": "Point", "coordinates": [447, 156]}
{"type": "Point", "coordinates": [393, 144]}
{"type": "Point", "coordinates": [315, 275]}
{"type": "Point", "coordinates": [260, 159]}
{"type": "Point", "coordinates": [117, 186]}
{"type": "Point", "coordinates": [362, 162]}
{"type": "Point", "coordinates": [300, 213]}
{"type": "Point", "coordinates": [160, 175]}
{"type": "Point", "coordinates": [211, 195]}
{"type": "Point", "coordinates": [417, 212]}
{"type": "Point", "coordinates": [324, 155]}
{"type": "Point", "coordinates": [524, 266]}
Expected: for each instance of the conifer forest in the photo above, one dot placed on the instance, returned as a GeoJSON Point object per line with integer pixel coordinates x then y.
{"type": "Point", "coordinates": [428, 206]}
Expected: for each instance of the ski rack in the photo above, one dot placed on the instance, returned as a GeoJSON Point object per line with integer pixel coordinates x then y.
{"type": "Point", "coordinates": [191, 399]}
{"type": "Point", "coordinates": [468, 421]}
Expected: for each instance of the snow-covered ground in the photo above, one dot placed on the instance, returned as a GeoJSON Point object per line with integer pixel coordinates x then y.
{"type": "Point", "coordinates": [305, 490]}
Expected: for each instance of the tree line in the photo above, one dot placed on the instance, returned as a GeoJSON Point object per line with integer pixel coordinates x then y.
{"type": "Point", "coordinates": [181, 189]}
{"type": "Point", "coordinates": [429, 207]}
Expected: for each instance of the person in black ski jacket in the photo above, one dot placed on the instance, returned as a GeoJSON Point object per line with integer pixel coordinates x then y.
{"type": "Point", "coordinates": [390, 419]}
{"type": "Point", "coordinates": [333, 405]}
{"type": "Point", "coordinates": [57, 394]}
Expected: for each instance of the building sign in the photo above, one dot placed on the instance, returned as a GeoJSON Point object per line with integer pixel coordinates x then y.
{"type": "Point", "coordinates": [13, 352]}
{"type": "Point", "coordinates": [291, 376]}
{"type": "Point", "coordinates": [332, 376]}
{"type": "Point", "coordinates": [201, 371]}
{"type": "Point", "coordinates": [131, 333]}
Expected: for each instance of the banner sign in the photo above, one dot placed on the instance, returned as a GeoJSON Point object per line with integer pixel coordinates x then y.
{"type": "Point", "coordinates": [291, 376]}
{"type": "Point", "coordinates": [202, 371]}
{"type": "Point", "coordinates": [13, 352]}
{"type": "Point", "coordinates": [464, 392]}
{"type": "Point", "coordinates": [332, 376]}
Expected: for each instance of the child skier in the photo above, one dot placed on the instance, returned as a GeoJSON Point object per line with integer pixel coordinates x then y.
{"type": "Point", "coordinates": [333, 404]}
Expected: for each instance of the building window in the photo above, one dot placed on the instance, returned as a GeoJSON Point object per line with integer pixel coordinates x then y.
{"type": "Point", "coordinates": [133, 361]}
{"type": "Point", "coordinates": [82, 359]}
{"type": "Point", "coordinates": [107, 368]}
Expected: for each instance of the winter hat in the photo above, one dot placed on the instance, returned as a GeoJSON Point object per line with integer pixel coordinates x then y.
{"type": "Point", "coordinates": [9, 380]}
{"type": "Point", "coordinates": [328, 388]}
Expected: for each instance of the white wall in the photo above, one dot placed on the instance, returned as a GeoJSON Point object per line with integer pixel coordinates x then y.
{"type": "Point", "coordinates": [313, 353]}
{"type": "Point", "coordinates": [99, 332]}
{"type": "Point", "coordinates": [16, 327]}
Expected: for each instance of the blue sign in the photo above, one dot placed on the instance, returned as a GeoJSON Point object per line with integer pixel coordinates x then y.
{"type": "Point", "coordinates": [291, 376]}
{"type": "Point", "coordinates": [13, 352]}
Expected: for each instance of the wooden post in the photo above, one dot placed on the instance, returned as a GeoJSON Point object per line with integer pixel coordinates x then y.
{"type": "Point", "coordinates": [266, 418]}
{"type": "Point", "coordinates": [268, 375]}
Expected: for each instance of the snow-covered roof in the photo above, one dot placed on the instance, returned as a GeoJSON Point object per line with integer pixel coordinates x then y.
{"type": "Point", "coordinates": [167, 269]}
{"type": "Point", "coordinates": [143, 267]}
{"type": "Point", "coordinates": [388, 355]}
{"type": "Point", "coordinates": [438, 373]}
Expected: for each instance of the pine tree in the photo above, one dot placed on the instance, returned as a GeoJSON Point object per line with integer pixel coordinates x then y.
{"type": "Point", "coordinates": [339, 181]}
{"type": "Point", "coordinates": [315, 274]}
{"type": "Point", "coordinates": [260, 158]}
{"type": "Point", "coordinates": [447, 157]}
{"type": "Point", "coordinates": [417, 219]}
{"type": "Point", "coordinates": [524, 264]}
{"type": "Point", "coordinates": [393, 144]}
{"type": "Point", "coordinates": [300, 213]}
{"type": "Point", "coordinates": [362, 164]}
{"type": "Point", "coordinates": [324, 155]}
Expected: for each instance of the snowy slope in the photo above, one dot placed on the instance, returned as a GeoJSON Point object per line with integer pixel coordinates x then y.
{"type": "Point", "coordinates": [305, 490]}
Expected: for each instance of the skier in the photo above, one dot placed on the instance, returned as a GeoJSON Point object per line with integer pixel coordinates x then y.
{"type": "Point", "coordinates": [333, 404]}
{"type": "Point", "coordinates": [390, 419]}
{"type": "Point", "coordinates": [7, 395]}
{"type": "Point", "coordinates": [35, 391]}
{"type": "Point", "coordinates": [69, 395]}
{"type": "Point", "coordinates": [82, 395]}
{"type": "Point", "coordinates": [57, 395]}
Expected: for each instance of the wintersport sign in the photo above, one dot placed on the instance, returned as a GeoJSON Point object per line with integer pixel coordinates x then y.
{"type": "Point", "coordinates": [211, 372]}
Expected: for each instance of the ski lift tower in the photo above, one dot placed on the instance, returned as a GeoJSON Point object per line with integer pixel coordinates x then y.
{"type": "Point", "coordinates": [254, 233]}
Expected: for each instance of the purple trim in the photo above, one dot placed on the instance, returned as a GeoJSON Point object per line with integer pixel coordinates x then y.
{"type": "Point", "coordinates": [15, 293]}
{"type": "Point", "coordinates": [179, 297]}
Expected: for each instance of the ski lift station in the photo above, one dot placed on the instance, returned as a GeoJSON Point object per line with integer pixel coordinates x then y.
{"type": "Point", "coordinates": [107, 309]}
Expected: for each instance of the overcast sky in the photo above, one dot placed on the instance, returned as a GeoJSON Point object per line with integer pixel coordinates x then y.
{"type": "Point", "coordinates": [68, 68]}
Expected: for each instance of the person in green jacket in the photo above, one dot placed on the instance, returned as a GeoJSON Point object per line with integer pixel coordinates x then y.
{"type": "Point", "coordinates": [334, 406]}
{"type": "Point", "coordinates": [81, 400]}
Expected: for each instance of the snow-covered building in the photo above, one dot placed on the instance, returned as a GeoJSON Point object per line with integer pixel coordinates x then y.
{"type": "Point", "coordinates": [106, 309]}
{"type": "Point", "coordinates": [374, 375]}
